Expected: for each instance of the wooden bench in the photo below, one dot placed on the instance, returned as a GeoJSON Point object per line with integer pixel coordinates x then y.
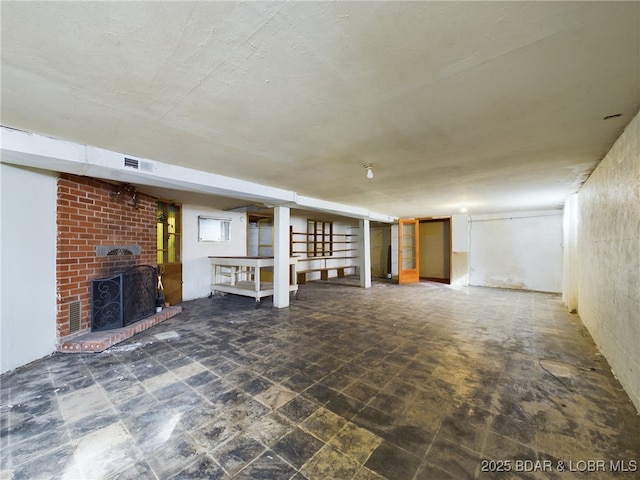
{"type": "Point", "coordinates": [324, 272]}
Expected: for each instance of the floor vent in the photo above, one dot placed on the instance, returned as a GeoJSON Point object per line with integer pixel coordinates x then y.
{"type": "Point", "coordinates": [74, 317]}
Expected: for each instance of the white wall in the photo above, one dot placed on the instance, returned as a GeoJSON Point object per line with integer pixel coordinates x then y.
{"type": "Point", "coordinates": [395, 246]}
{"type": "Point", "coordinates": [570, 272]}
{"type": "Point", "coordinates": [380, 242]}
{"type": "Point", "coordinates": [460, 250]}
{"type": "Point", "coordinates": [517, 250]}
{"type": "Point", "coordinates": [607, 230]}
{"type": "Point", "coordinates": [196, 269]}
{"type": "Point", "coordinates": [27, 265]}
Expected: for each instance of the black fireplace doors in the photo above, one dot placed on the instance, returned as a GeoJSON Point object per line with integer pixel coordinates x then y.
{"type": "Point", "coordinates": [123, 299]}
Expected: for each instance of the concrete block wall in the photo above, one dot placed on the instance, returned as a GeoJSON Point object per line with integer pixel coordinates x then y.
{"type": "Point", "coordinates": [607, 233]}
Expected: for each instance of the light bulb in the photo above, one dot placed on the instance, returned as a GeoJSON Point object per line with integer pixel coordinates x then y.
{"type": "Point", "coordinates": [369, 173]}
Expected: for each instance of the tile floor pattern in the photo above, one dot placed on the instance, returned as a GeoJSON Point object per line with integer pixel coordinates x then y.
{"type": "Point", "coordinates": [413, 382]}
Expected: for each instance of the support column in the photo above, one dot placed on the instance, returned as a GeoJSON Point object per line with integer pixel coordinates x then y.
{"type": "Point", "coordinates": [281, 257]}
{"type": "Point", "coordinates": [365, 254]}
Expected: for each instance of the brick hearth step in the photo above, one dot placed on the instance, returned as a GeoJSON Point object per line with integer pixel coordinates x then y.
{"type": "Point", "coordinates": [95, 342]}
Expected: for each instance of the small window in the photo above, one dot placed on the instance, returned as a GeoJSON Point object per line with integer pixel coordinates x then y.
{"type": "Point", "coordinates": [214, 229]}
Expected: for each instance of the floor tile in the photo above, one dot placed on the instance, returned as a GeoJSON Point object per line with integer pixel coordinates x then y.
{"type": "Point", "coordinates": [298, 409]}
{"type": "Point", "coordinates": [237, 453]}
{"type": "Point", "coordinates": [374, 420]}
{"type": "Point", "coordinates": [105, 451]}
{"type": "Point", "coordinates": [23, 452]}
{"type": "Point", "coordinates": [153, 429]}
{"type": "Point", "coordinates": [203, 467]}
{"type": "Point", "coordinates": [391, 461]}
{"type": "Point", "coordinates": [365, 474]}
{"type": "Point", "coordinates": [297, 447]}
{"type": "Point", "coordinates": [355, 442]}
{"type": "Point", "coordinates": [266, 467]}
{"type": "Point", "coordinates": [216, 433]}
{"type": "Point", "coordinates": [275, 396]}
{"type": "Point", "coordinates": [174, 455]}
{"type": "Point", "coordinates": [344, 406]}
{"type": "Point", "coordinates": [138, 471]}
{"type": "Point", "coordinates": [330, 463]}
{"type": "Point", "coordinates": [402, 383]}
{"type": "Point", "coordinates": [428, 471]}
{"type": "Point", "coordinates": [57, 462]}
{"type": "Point", "coordinates": [323, 424]}
{"type": "Point", "coordinates": [199, 379]}
{"type": "Point", "coordinates": [83, 403]}
{"type": "Point", "coordinates": [269, 428]}
{"type": "Point", "coordinates": [96, 422]}
{"type": "Point", "coordinates": [361, 390]}
{"type": "Point", "coordinates": [455, 459]}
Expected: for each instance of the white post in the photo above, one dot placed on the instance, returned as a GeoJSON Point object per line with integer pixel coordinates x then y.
{"type": "Point", "coordinates": [365, 254]}
{"type": "Point", "coordinates": [281, 257]}
{"type": "Point", "coordinates": [395, 268]}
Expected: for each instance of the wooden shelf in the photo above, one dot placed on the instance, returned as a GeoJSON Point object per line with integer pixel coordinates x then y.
{"type": "Point", "coordinates": [331, 257]}
{"type": "Point", "coordinates": [304, 252]}
{"type": "Point", "coordinates": [335, 252]}
{"type": "Point", "coordinates": [311, 242]}
{"type": "Point", "coordinates": [325, 234]}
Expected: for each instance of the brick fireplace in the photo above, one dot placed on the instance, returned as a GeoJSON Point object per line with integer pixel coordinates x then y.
{"type": "Point", "coordinates": [103, 229]}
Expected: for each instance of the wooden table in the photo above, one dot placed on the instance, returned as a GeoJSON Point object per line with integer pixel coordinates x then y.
{"type": "Point", "coordinates": [241, 276]}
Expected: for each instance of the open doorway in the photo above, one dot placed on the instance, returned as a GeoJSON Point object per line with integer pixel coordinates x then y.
{"type": "Point", "coordinates": [381, 253]}
{"type": "Point", "coordinates": [260, 237]}
{"type": "Point", "coordinates": [435, 250]}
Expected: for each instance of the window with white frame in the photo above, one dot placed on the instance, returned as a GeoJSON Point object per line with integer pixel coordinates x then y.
{"type": "Point", "coordinates": [211, 229]}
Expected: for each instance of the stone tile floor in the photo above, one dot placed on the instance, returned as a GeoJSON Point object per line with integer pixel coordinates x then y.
{"type": "Point", "coordinates": [414, 382]}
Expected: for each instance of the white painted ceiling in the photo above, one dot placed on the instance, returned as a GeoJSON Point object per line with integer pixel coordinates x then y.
{"type": "Point", "coordinates": [495, 106]}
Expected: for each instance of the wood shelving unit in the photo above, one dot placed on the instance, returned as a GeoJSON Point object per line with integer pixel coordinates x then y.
{"type": "Point", "coordinates": [322, 251]}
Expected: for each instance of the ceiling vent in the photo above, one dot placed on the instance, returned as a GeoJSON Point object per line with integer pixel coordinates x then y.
{"type": "Point", "coordinates": [141, 165]}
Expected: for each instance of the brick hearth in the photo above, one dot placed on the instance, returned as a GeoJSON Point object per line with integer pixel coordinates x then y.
{"type": "Point", "coordinates": [95, 342]}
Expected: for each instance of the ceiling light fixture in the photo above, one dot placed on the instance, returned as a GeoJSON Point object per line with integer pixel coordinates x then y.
{"type": "Point", "coordinates": [369, 167]}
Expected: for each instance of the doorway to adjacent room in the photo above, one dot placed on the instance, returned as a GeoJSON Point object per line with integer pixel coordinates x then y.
{"type": "Point", "coordinates": [435, 250]}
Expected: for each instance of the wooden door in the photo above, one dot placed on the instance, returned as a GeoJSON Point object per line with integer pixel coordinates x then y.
{"type": "Point", "coordinates": [169, 251]}
{"type": "Point", "coordinates": [171, 276]}
{"type": "Point", "coordinates": [408, 254]}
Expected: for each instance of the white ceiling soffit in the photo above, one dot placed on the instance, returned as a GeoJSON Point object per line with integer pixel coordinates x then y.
{"type": "Point", "coordinates": [493, 106]}
{"type": "Point", "coordinates": [37, 151]}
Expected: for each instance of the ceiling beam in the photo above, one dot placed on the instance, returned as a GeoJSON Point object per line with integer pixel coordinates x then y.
{"type": "Point", "coordinates": [38, 151]}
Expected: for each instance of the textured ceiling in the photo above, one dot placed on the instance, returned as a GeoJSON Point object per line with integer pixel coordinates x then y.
{"type": "Point", "coordinates": [494, 106]}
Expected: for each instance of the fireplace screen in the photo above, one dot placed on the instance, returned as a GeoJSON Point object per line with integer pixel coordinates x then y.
{"type": "Point", "coordinates": [124, 298]}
